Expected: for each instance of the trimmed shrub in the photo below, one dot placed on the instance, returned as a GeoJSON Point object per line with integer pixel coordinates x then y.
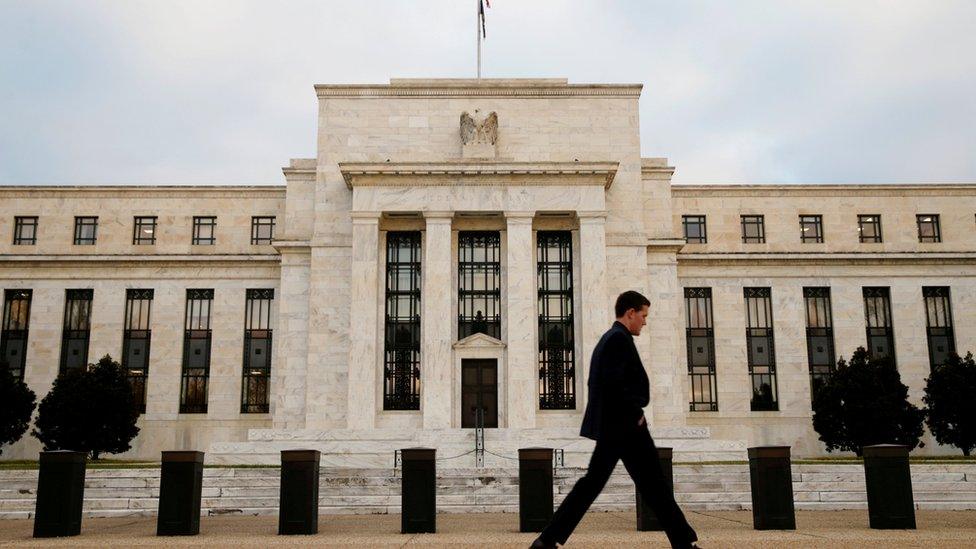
{"type": "Point", "coordinates": [864, 402]}
{"type": "Point", "coordinates": [17, 403]}
{"type": "Point", "coordinates": [950, 395]}
{"type": "Point", "coordinates": [89, 411]}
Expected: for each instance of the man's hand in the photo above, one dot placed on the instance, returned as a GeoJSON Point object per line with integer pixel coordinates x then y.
{"type": "Point", "coordinates": [641, 422]}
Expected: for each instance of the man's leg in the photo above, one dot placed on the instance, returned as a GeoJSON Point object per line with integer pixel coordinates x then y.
{"type": "Point", "coordinates": [580, 498]}
{"type": "Point", "coordinates": [641, 460]}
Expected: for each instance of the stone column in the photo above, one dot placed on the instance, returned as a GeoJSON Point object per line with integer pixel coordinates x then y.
{"type": "Point", "coordinates": [436, 357]}
{"type": "Point", "coordinates": [364, 293]}
{"type": "Point", "coordinates": [522, 388]}
{"type": "Point", "coordinates": [290, 367]}
{"type": "Point", "coordinates": [597, 311]}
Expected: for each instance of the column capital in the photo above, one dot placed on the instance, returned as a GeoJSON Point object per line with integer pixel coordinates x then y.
{"type": "Point", "coordinates": [592, 216]}
{"type": "Point", "coordinates": [365, 217]}
{"type": "Point", "coordinates": [519, 215]}
{"type": "Point", "coordinates": [438, 215]}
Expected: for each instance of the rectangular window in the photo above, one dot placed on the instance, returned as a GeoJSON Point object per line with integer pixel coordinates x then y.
{"type": "Point", "coordinates": [760, 348]}
{"type": "Point", "coordinates": [479, 286]}
{"type": "Point", "coordinates": [13, 332]}
{"type": "Point", "coordinates": [869, 228]}
{"type": "Point", "coordinates": [694, 228]}
{"type": "Point", "coordinates": [557, 364]}
{"type": "Point", "coordinates": [262, 229]}
{"type": "Point", "coordinates": [196, 352]}
{"type": "Point", "coordinates": [938, 324]}
{"type": "Point", "coordinates": [401, 343]}
{"type": "Point", "coordinates": [820, 335]}
{"type": "Point", "coordinates": [76, 330]}
{"type": "Point", "coordinates": [25, 231]}
{"type": "Point", "coordinates": [144, 230]}
{"type": "Point", "coordinates": [136, 336]}
{"type": "Point", "coordinates": [700, 341]}
{"type": "Point", "coordinates": [753, 229]}
{"type": "Point", "coordinates": [811, 228]}
{"type": "Point", "coordinates": [928, 228]}
{"type": "Point", "coordinates": [204, 230]}
{"type": "Point", "coordinates": [86, 229]}
{"type": "Point", "coordinates": [878, 323]}
{"type": "Point", "coordinates": [257, 351]}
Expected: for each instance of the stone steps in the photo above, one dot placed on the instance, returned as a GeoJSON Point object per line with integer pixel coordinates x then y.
{"type": "Point", "coordinates": [254, 491]}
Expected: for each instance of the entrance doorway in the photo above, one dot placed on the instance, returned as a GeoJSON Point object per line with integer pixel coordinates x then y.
{"type": "Point", "coordinates": [479, 392]}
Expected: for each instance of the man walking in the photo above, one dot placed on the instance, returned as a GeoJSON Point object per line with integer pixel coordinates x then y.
{"type": "Point", "coordinates": [614, 418]}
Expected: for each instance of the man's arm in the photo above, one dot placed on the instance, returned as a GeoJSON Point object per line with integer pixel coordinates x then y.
{"type": "Point", "coordinates": [620, 391]}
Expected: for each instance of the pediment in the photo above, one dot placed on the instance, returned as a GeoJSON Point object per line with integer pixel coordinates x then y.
{"type": "Point", "coordinates": [479, 341]}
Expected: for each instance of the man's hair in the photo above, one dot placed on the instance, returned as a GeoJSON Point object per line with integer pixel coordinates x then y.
{"type": "Point", "coordinates": [629, 300]}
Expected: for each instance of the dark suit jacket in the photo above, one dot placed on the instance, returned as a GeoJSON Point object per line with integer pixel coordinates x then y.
{"type": "Point", "coordinates": [618, 386]}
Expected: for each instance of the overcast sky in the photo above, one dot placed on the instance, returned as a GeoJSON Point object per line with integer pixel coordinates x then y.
{"type": "Point", "coordinates": [208, 91]}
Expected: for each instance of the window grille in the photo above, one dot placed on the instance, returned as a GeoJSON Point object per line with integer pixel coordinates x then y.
{"type": "Point", "coordinates": [76, 329]}
{"type": "Point", "coordinates": [196, 351]}
{"type": "Point", "coordinates": [820, 335]}
{"type": "Point", "coordinates": [694, 229]}
{"type": "Point", "coordinates": [700, 342]}
{"type": "Point", "coordinates": [401, 355]}
{"type": "Point", "coordinates": [136, 337]}
{"type": "Point", "coordinates": [13, 332]}
{"type": "Point", "coordinates": [255, 386]}
{"type": "Point", "coordinates": [86, 231]}
{"type": "Point", "coordinates": [760, 348]}
{"type": "Point", "coordinates": [878, 323]}
{"type": "Point", "coordinates": [753, 229]}
{"type": "Point", "coordinates": [811, 228]}
{"type": "Point", "coordinates": [479, 286]}
{"type": "Point", "coordinates": [204, 231]}
{"type": "Point", "coordinates": [557, 364]}
{"type": "Point", "coordinates": [25, 231]}
{"type": "Point", "coordinates": [938, 324]}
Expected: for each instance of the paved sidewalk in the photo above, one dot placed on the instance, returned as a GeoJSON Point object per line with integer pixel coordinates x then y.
{"type": "Point", "coordinates": [833, 529]}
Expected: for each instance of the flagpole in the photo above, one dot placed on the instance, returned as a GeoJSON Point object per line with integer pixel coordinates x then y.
{"type": "Point", "coordinates": [477, 31]}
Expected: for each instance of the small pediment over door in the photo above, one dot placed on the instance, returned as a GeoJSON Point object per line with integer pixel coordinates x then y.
{"type": "Point", "coordinates": [479, 341]}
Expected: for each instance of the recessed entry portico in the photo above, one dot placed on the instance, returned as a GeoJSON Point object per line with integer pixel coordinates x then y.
{"type": "Point", "coordinates": [500, 206]}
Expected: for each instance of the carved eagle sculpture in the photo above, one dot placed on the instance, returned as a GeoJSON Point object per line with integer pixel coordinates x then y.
{"type": "Point", "coordinates": [474, 132]}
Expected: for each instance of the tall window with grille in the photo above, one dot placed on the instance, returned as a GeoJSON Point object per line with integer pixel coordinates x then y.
{"type": "Point", "coordinates": [135, 341]}
{"type": "Point", "coordinates": [479, 283]}
{"type": "Point", "coordinates": [811, 228]}
{"type": "Point", "coordinates": [257, 351]}
{"type": "Point", "coordinates": [928, 228]}
{"type": "Point", "coordinates": [196, 351]}
{"type": "Point", "coordinates": [938, 324]}
{"type": "Point", "coordinates": [820, 335]}
{"type": "Point", "coordinates": [869, 228]}
{"type": "Point", "coordinates": [700, 342]}
{"type": "Point", "coordinates": [753, 229]}
{"type": "Point", "coordinates": [204, 231]}
{"type": "Point", "coordinates": [262, 229]}
{"type": "Point", "coordinates": [401, 340]}
{"type": "Point", "coordinates": [878, 323]}
{"type": "Point", "coordinates": [76, 329]}
{"type": "Point", "coordinates": [557, 364]}
{"type": "Point", "coordinates": [144, 230]}
{"type": "Point", "coordinates": [25, 230]}
{"type": "Point", "coordinates": [86, 230]}
{"type": "Point", "coordinates": [13, 336]}
{"type": "Point", "coordinates": [694, 229]}
{"type": "Point", "coordinates": [760, 348]}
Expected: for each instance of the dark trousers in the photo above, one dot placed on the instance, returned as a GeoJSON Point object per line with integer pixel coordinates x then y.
{"type": "Point", "coordinates": [636, 449]}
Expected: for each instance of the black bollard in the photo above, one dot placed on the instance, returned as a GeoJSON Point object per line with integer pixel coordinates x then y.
{"type": "Point", "coordinates": [180, 487]}
{"type": "Point", "coordinates": [535, 489]}
{"type": "Point", "coordinates": [418, 491]}
{"type": "Point", "coordinates": [60, 494]}
{"type": "Point", "coordinates": [298, 503]}
{"type": "Point", "coordinates": [772, 488]}
{"type": "Point", "coordinates": [888, 480]}
{"type": "Point", "coordinates": [646, 519]}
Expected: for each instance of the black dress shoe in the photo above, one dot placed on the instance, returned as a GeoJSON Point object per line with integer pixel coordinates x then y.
{"type": "Point", "coordinates": [540, 543]}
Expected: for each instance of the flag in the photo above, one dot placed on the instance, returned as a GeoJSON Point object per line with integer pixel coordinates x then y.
{"type": "Point", "coordinates": [481, 14]}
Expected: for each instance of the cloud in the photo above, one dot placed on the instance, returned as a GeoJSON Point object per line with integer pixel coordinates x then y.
{"type": "Point", "coordinates": [220, 91]}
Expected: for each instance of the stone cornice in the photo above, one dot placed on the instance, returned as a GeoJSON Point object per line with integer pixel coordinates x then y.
{"type": "Point", "coordinates": [817, 258]}
{"type": "Point", "coordinates": [665, 244]}
{"type": "Point", "coordinates": [143, 191]}
{"type": "Point", "coordinates": [481, 173]}
{"type": "Point", "coordinates": [716, 191]}
{"type": "Point", "coordinates": [486, 87]}
{"type": "Point", "coordinates": [154, 259]}
{"type": "Point", "coordinates": [656, 166]}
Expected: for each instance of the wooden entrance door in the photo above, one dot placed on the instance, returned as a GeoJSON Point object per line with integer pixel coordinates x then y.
{"type": "Point", "coordinates": [479, 391]}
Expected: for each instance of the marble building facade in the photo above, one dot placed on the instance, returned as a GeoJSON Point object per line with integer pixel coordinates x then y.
{"type": "Point", "coordinates": [456, 246]}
